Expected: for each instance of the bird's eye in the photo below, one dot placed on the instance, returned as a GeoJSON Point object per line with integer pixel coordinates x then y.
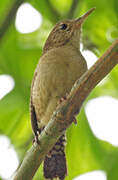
{"type": "Point", "coordinates": [63, 26]}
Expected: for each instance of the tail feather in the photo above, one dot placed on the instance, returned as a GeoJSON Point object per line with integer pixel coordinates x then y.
{"type": "Point", "coordinates": [55, 161]}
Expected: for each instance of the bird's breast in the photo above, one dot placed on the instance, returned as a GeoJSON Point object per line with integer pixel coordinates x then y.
{"type": "Point", "coordinates": [56, 74]}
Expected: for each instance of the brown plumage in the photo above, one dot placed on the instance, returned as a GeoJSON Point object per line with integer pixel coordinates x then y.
{"type": "Point", "coordinates": [59, 67]}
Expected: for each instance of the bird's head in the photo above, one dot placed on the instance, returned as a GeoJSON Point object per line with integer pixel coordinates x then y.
{"type": "Point", "coordinates": [67, 31]}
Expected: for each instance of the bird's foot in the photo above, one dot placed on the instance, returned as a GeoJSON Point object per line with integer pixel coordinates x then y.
{"type": "Point", "coordinates": [63, 98]}
{"type": "Point", "coordinates": [36, 140]}
{"type": "Point", "coordinates": [74, 120]}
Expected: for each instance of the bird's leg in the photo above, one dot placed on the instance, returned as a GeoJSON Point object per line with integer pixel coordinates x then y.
{"type": "Point", "coordinates": [37, 132]}
{"type": "Point", "coordinates": [74, 120]}
{"type": "Point", "coordinates": [36, 140]}
{"type": "Point", "coordinates": [63, 98]}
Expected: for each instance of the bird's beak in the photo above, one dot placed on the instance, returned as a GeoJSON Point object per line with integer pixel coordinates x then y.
{"type": "Point", "coordinates": [81, 19]}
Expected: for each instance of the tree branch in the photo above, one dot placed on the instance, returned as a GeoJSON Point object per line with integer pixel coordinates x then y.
{"type": "Point", "coordinates": [62, 118]}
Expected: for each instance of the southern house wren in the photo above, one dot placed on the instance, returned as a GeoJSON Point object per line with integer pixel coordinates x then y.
{"type": "Point", "coordinates": [59, 67]}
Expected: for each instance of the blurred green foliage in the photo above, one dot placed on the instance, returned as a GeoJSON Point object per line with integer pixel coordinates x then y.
{"type": "Point", "coordinates": [19, 54]}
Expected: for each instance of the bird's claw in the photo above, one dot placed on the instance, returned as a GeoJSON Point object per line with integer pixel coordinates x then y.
{"type": "Point", "coordinates": [36, 138]}
{"type": "Point", "coordinates": [74, 120]}
{"type": "Point", "coordinates": [63, 98]}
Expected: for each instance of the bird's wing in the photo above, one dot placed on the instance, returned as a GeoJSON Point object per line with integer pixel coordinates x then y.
{"type": "Point", "coordinates": [33, 118]}
{"type": "Point", "coordinates": [34, 123]}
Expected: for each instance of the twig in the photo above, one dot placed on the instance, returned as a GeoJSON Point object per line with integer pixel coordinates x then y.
{"type": "Point", "coordinates": [9, 17]}
{"type": "Point", "coordinates": [62, 118]}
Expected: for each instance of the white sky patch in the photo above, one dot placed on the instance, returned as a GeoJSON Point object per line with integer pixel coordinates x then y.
{"type": "Point", "coordinates": [6, 85]}
{"type": "Point", "coordinates": [8, 158]}
{"type": "Point", "coordinates": [28, 19]}
{"type": "Point", "coordinates": [89, 56]}
{"type": "Point", "coordinates": [102, 114]}
{"type": "Point", "coordinates": [94, 175]}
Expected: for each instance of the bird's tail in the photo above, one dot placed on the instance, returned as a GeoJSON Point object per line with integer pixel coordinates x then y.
{"type": "Point", "coordinates": [55, 161]}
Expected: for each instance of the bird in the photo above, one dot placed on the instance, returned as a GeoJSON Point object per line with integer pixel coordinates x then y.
{"type": "Point", "coordinates": [60, 65]}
